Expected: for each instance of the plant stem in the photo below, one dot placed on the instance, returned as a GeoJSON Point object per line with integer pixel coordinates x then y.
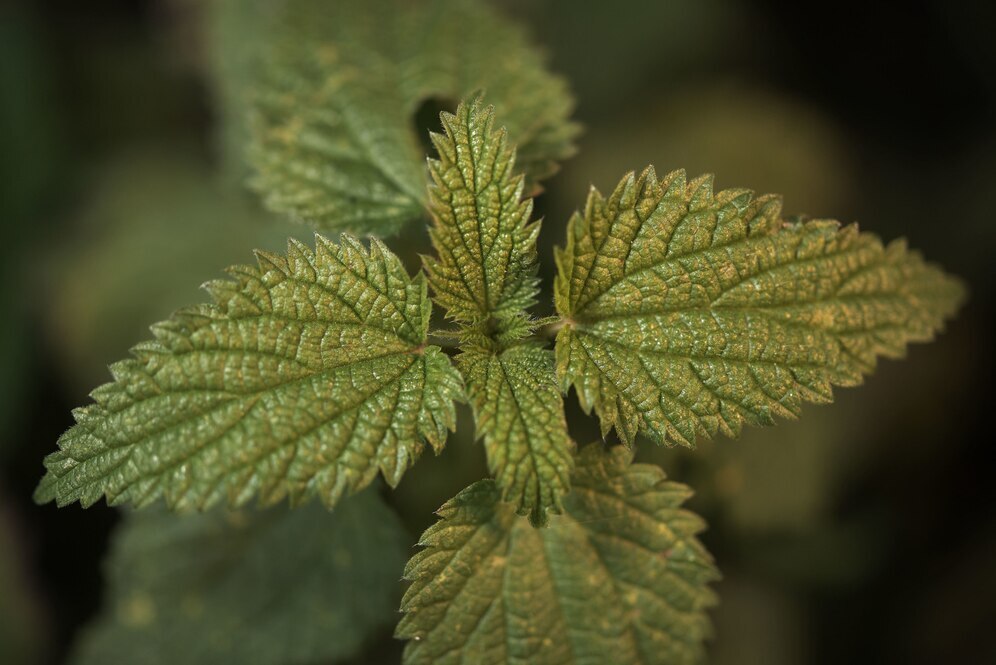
{"type": "Point", "coordinates": [550, 330]}
{"type": "Point", "coordinates": [442, 339]}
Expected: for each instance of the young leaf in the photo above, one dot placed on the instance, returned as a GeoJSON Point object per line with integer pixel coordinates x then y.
{"type": "Point", "coordinates": [261, 587]}
{"type": "Point", "coordinates": [520, 413]}
{"type": "Point", "coordinates": [308, 374]}
{"type": "Point", "coordinates": [620, 578]}
{"type": "Point", "coordinates": [689, 312]}
{"type": "Point", "coordinates": [334, 143]}
{"type": "Point", "coordinates": [485, 275]}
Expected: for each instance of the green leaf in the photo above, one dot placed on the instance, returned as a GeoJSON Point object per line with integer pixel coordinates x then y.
{"type": "Point", "coordinates": [620, 578]}
{"type": "Point", "coordinates": [308, 374]}
{"type": "Point", "coordinates": [519, 411]}
{"type": "Point", "coordinates": [261, 587]}
{"type": "Point", "coordinates": [334, 143]}
{"type": "Point", "coordinates": [485, 275]}
{"type": "Point", "coordinates": [689, 312]}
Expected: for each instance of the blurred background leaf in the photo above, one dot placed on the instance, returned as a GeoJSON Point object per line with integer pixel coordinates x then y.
{"type": "Point", "coordinates": [268, 586]}
{"type": "Point", "coordinates": [766, 141]}
{"type": "Point", "coordinates": [22, 625]}
{"type": "Point", "coordinates": [153, 226]}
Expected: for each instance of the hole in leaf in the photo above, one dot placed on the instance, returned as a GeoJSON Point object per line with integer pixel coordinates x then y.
{"type": "Point", "coordinates": [426, 119]}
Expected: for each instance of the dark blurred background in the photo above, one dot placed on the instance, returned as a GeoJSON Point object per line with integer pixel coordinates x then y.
{"type": "Point", "coordinates": [865, 532]}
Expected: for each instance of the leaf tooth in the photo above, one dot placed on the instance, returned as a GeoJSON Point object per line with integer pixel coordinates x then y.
{"type": "Point", "coordinates": [301, 261]}
{"type": "Point", "coordinates": [242, 273]}
{"type": "Point", "coordinates": [85, 415]}
{"type": "Point", "coordinates": [122, 370]}
{"type": "Point", "coordinates": [172, 335]}
{"type": "Point", "coordinates": [227, 294]}
{"type": "Point", "coordinates": [270, 262]}
{"type": "Point", "coordinates": [46, 491]}
{"type": "Point", "coordinates": [675, 184]}
{"type": "Point", "coordinates": [444, 147]}
{"type": "Point", "coordinates": [700, 192]}
{"type": "Point", "coordinates": [623, 194]}
{"type": "Point", "coordinates": [648, 177]}
{"type": "Point", "coordinates": [765, 214]}
{"type": "Point", "coordinates": [351, 249]}
{"type": "Point", "coordinates": [736, 199]}
{"type": "Point", "coordinates": [380, 253]}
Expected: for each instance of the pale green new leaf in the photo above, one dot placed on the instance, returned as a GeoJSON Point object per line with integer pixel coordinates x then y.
{"type": "Point", "coordinates": [256, 588]}
{"type": "Point", "coordinates": [485, 275]}
{"type": "Point", "coordinates": [619, 578]}
{"type": "Point", "coordinates": [307, 375]}
{"type": "Point", "coordinates": [519, 412]}
{"type": "Point", "coordinates": [689, 312]}
{"type": "Point", "coordinates": [333, 137]}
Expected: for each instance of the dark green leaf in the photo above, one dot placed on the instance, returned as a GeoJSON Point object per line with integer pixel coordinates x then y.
{"type": "Point", "coordinates": [256, 588]}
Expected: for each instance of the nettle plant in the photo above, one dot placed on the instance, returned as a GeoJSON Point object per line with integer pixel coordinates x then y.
{"type": "Point", "coordinates": [681, 313]}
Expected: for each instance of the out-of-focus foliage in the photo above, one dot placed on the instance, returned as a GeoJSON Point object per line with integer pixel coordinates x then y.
{"type": "Point", "coordinates": [722, 128]}
{"type": "Point", "coordinates": [29, 135]}
{"type": "Point", "coordinates": [21, 634]}
{"type": "Point", "coordinates": [609, 50]}
{"type": "Point", "coordinates": [619, 578]}
{"type": "Point", "coordinates": [29, 130]}
{"type": "Point", "coordinates": [30, 160]}
{"type": "Point", "coordinates": [153, 225]}
{"type": "Point", "coordinates": [334, 92]}
{"type": "Point", "coordinates": [204, 589]}
{"type": "Point", "coordinates": [307, 375]}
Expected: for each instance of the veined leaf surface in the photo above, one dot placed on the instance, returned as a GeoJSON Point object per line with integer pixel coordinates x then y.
{"type": "Point", "coordinates": [619, 578]}
{"type": "Point", "coordinates": [308, 374]}
{"type": "Point", "coordinates": [485, 275]}
{"type": "Point", "coordinates": [689, 312]}
{"type": "Point", "coordinates": [519, 412]}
